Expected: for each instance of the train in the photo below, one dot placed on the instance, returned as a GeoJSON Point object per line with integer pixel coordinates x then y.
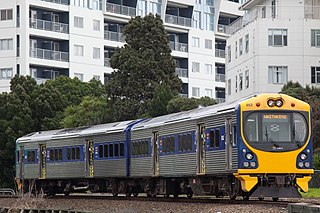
{"type": "Point", "coordinates": [257, 147]}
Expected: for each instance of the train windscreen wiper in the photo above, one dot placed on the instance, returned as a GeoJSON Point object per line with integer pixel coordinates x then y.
{"type": "Point", "coordinates": [269, 139]}
{"type": "Point", "coordinates": [294, 133]}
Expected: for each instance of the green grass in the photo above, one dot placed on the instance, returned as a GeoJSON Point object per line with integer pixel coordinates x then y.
{"type": "Point", "coordinates": [312, 193]}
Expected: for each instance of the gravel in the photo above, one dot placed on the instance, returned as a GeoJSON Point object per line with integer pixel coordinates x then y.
{"type": "Point", "coordinates": [133, 206]}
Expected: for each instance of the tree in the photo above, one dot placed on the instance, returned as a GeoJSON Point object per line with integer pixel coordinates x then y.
{"type": "Point", "coordinates": [141, 65]}
{"type": "Point", "coordinates": [182, 104]}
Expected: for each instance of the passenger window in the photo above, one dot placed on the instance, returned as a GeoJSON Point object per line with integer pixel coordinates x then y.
{"type": "Point", "coordinates": [73, 154]}
{"type": "Point", "coordinates": [56, 155]}
{"type": "Point", "coordinates": [121, 149]}
{"type": "Point", "coordinates": [68, 154]}
{"type": "Point", "coordinates": [234, 136]}
{"type": "Point", "coordinates": [212, 138]}
{"type": "Point", "coordinates": [51, 154]}
{"type": "Point", "coordinates": [33, 156]}
{"type": "Point", "coordinates": [77, 153]}
{"type": "Point", "coordinates": [147, 147]}
{"type": "Point", "coordinates": [100, 151]}
{"type": "Point", "coordinates": [116, 150]}
{"type": "Point", "coordinates": [172, 144]}
{"type": "Point", "coordinates": [111, 150]}
{"type": "Point", "coordinates": [106, 151]}
{"type": "Point", "coordinates": [189, 142]}
{"type": "Point", "coordinates": [60, 154]}
{"type": "Point", "coordinates": [217, 138]}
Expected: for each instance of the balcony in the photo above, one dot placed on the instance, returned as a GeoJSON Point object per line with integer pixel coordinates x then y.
{"type": "Point", "coordinates": [113, 36]}
{"type": "Point", "coordinates": [182, 47]}
{"type": "Point", "coordinates": [49, 54]}
{"type": "Point", "coordinates": [120, 9]}
{"type": "Point", "coordinates": [64, 2]}
{"type": "Point", "coordinates": [49, 26]}
{"type": "Point", "coordinates": [220, 100]}
{"type": "Point", "coordinates": [222, 28]}
{"type": "Point", "coordinates": [220, 77]}
{"type": "Point", "coordinates": [220, 53]}
{"type": "Point", "coordinates": [178, 20]}
{"type": "Point", "coordinates": [107, 62]}
{"type": "Point", "coordinates": [182, 72]}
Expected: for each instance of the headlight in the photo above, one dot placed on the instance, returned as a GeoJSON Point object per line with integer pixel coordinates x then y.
{"type": "Point", "coordinates": [271, 103]}
{"type": "Point", "coordinates": [307, 164]}
{"type": "Point", "coordinates": [300, 164]}
{"type": "Point", "coordinates": [279, 103]}
{"type": "Point", "coordinates": [253, 164]}
{"type": "Point", "coordinates": [249, 156]}
{"type": "Point", "coordinates": [246, 164]}
{"type": "Point", "coordinates": [303, 156]}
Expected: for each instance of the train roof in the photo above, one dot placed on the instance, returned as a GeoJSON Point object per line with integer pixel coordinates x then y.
{"type": "Point", "coordinates": [75, 132]}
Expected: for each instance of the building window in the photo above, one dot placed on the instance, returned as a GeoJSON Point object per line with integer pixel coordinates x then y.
{"type": "Point", "coordinates": [195, 91]}
{"type": "Point", "coordinates": [142, 8]}
{"type": "Point", "coordinates": [236, 85]}
{"type": "Point", "coordinates": [315, 75]}
{"type": "Point", "coordinates": [208, 68]}
{"type": "Point", "coordinates": [96, 53]}
{"type": "Point", "coordinates": [240, 47]}
{"type": "Point", "coordinates": [78, 22]}
{"type": "Point", "coordinates": [278, 75]}
{"type": "Point", "coordinates": [209, 2]}
{"type": "Point", "coordinates": [96, 25]}
{"type": "Point", "coordinates": [78, 50]}
{"type": "Point", "coordinates": [155, 6]}
{"type": "Point", "coordinates": [6, 15]}
{"type": "Point", "coordinates": [229, 53]}
{"type": "Point", "coordinates": [236, 50]}
{"type": "Point", "coordinates": [196, 19]}
{"type": "Point", "coordinates": [247, 78]}
{"type": "Point", "coordinates": [6, 73]}
{"type": "Point", "coordinates": [208, 44]}
{"type": "Point", "coordinates": [229, 86]}
{"type": "Point", "coordinates": [240, 81]}
{"type": "Point", "coordinates": [278, 37]}
{"type": "Point", "coordinates": [195, 42]}
{"type": "Point", "coordinates": [79, 76]}
{"type": "Point", "coordinates": [195, 67]}
{"type": "Point", "coordinates": [315, 38]}
{"type": "Point", "coordinates": [209, 21]}
{"type": "Point", "coordinates": [96, 77]}
{"type": "Point", "coordinates": [208, 92]}
{"type": "Point", "coordinates": [247, 43]}
{"type": "Point", "coordinates": [6, 44]}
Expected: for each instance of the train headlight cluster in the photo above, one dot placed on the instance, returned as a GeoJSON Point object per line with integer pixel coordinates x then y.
{"type": "Point", "coordinates": [272, 103]}
{"type": "Point", "coordinates": [303, 156]}
{"type": "Point", "coordinates": [303, 160]}
{"type": "Point", "coordinates": [249, 159]}
{"type": "Point", "coordinates": [249, 156]}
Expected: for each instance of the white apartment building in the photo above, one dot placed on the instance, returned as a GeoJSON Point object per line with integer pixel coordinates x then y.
{"type": "Point", "coordinates": [76, 38]}
{"type": "Point", "coordinates": [274, 42]}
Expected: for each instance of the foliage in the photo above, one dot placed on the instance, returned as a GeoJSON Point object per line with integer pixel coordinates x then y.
{"type": "Point", "coordinates": [182, 104]}
{"type": "Point", "coordinates": [141, 65]}
{"type": "Point", "coordinates": [312, 193]}
{"type": "Point", "coordinates": [92, 110]}
{"type": "Point", "coordinates": [316, 161]}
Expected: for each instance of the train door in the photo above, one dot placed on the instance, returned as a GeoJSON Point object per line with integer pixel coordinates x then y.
{"type": "Point", "coordinates": [155, 154]}
{"type": "Point", "coordinates": [21, 160]}
{"type": "Point", "coordinates": [42, 161]}
{"type": "Point", "coordinates": [200, 148]}
{"type": "Point", "coordinates": [228, 142]}
{"type": "Point", "coordinates": [89, 158]}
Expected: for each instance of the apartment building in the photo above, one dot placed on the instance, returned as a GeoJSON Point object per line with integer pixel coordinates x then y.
{"type": "Point", "coordinates": [274, 42]}
{"type": "Point", "coordinates": [76, 38]}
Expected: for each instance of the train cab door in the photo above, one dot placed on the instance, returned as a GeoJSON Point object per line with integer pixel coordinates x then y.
{"type": "Point", "coordinates": [89, 158]}
{"type": "Point", "coordinates": [42, 161]}
{"type": "Point", "coordinates": [228, 143]}
{"type": "Point", "coordinates": [155, 154]}
{"type": "Point", "coordinates": [200, 149]}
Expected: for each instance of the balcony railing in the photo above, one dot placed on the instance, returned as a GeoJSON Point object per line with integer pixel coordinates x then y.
{"type": "Point", "coordinates": [220, 77]}
{"type": "Point", "coordinates": [222, 28]}
{"type": "Point", "coordinates": [113, 36]}
{"type": "Point", "coordinates": [274, 12]}
{"type": "Point", "coordinates": [120, 9]}
{"type": "Point", "coordinates": [49, 54]}
{"type": "Point", "coordinates": [220, 100]}
{"type": "Point", "coordinates": [220, 53]}
{"type": "Point", "coordinates": [182, 72]}
{"type": "Point", "coordinates": [178, 20]}
{"type": "Point", "coordinates": [65, 2]}
{"type": "Point", "coordinates": [107, 62]}
{"type": "Point", "coordinates": [49, 26]}
{"type": "Point", "coordinates": [182, 47]}
{"type": "Point", "coordinates": [183, 95]}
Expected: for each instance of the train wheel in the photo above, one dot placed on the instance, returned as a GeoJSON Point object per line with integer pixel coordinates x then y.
{"type": "Point", "coordinates": [114, 194]}
{"type": "Point", "coordinates": [246, 196]}
{"type": "Point", "coordinates": [261, 198]}
{"type": "Point", "coordinates": [233, 197]}
{"type": "Point", "coordinates": [166, 196]}
{"type": "Point", "coordinates": [175, 195]}
{"type": "Point", "coordinates": [128, 194]}
{"type": "Point", "coordinates": [275, 199]}
{"type": "Point", "coordinates": [189, 195]}
{"type": "Point", "coordinates": [135, 194]}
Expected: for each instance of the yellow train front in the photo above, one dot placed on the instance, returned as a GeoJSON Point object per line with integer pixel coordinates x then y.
{"type": "Point", "coordinates": [275, 146]}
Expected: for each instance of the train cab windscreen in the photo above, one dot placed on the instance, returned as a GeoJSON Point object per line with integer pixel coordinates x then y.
{"type": "Point", "coordinates": [276, 131]}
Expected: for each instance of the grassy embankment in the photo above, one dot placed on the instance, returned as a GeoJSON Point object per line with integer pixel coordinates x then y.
{"type": "Point", "coordinates": [312, 193]}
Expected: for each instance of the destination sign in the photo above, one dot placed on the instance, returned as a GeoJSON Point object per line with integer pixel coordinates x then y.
{"type": "Point", "coordinates": [275, 116]}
